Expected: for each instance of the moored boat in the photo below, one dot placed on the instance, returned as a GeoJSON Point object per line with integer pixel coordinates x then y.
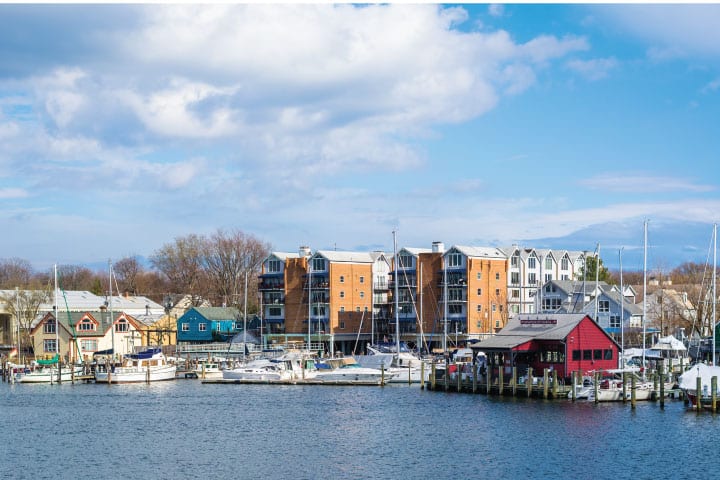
{"type": "Point", "coordinates": [149, 365]}
{"type": "Point", "coordinates": [347, 371]}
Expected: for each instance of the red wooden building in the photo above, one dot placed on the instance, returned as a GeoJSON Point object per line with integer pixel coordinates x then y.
{"type": "Point", "coordinates": [565, 342]}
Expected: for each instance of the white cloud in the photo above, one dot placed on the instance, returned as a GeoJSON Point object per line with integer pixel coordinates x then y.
{"type": "Point", "coordinates": [674, 30]}
{"type": "Point", "coordinates": [6, 193]}
{"type": "Point", "coordinates": [595, 69]}
{"type": "Point", "coordinates": [496, 9]}
{"type": "Point", "coordinates": [644, 184]}
{"type": "Point", "coordinates": [711, 86]}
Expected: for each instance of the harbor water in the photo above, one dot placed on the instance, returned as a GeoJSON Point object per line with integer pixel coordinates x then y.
{"type": "Point", "coordinates": [186, 429]}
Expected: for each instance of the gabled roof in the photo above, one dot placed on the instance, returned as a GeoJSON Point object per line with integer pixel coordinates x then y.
{"type": "Point", "coordinates": [218, 313]}
{"type": "Point", "coordinates": [479, 252]}
{"type": "Point", "coordinates": [415, 251]}
{"type": "Point", "coordinates": [525, 328]}
{"type": "Point", "coordinates": [346, 257]}
{"type": "Point", "coordinates": [284, 255]}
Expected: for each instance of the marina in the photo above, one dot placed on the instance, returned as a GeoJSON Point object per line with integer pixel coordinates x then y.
{"type": "Point", "coordinates": [397, 431]}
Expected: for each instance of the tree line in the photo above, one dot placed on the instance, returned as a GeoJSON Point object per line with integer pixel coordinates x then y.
{"type": "Point", "coordinates": [209, 268]}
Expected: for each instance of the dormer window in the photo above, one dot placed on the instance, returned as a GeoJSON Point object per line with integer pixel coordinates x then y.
{"type": "Point", "coordinates": [86, 325]}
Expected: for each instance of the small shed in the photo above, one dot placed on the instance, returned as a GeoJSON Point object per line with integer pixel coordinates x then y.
{"type": "Point", "coordinates": [564, 342]}
{"type": "Point", "coordinates": [208, 324]}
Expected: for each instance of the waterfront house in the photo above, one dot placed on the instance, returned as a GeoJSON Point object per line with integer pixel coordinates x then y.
{"type": "Point", "coordinates": [208, 324]}
{"type": "Point", "coordinates": [528, 269]}
{"type": "Point", "coordinates": [564, 342]}
{"type": "Point", "coordinates": [81, 334]}
{"type": "Point", "coordinates": [475, 291]}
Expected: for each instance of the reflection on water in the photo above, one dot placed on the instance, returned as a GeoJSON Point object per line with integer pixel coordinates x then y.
{"type": "Point", "coordinates": [185, 429]}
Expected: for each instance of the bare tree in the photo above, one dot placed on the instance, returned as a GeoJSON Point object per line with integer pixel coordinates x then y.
{"type": "Point", "coordinates": [25, 306]}
{"type": "Point", "coordinates": [126, 272]}
{"type": "Point", "coordinates": [227, 258]}
{"type": "Point", "coordinates": [14, 272]}
{"type": "Point", "coordinates": [181, 263]}
{"type": "Point", "coordinates": [75, 277]}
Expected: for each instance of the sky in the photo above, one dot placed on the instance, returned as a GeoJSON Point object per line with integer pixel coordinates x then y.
{"type": "Point", "coordinates": [123, 127]}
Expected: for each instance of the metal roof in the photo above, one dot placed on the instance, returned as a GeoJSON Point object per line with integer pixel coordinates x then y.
{"type": "Point", "coordinates": [482, 252]}
{"type": "Point", "coordinates": [525, 328]}
{"type": "Point", "coordinates": [346, 257]}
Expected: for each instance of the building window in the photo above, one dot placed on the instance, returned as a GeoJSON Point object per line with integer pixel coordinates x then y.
{"type": "Point", "coordinates": [362, 279]}
{"type": "Point", "coordinates": [494, 307]}
{"type": "Point", "coordinates": [49, 345]}
{"type": "Point", "coordinates": [274, 311]}
{"type": "Point", "coordinates": [273, 266]}
{"type": "Point", "coordinates": [342, 309]}
{"type": "Point", "coordinates": [548, 263]}
{"type": "Point", "coordinates": [86, 325]}
{"type": "Point", "coordinates": [515, 278]}
{"type": "Point", "coordinates": [607, 354]}
{"type": "Point", "coordinates": [342, 279]}
{"type": "Point", "coordinates": [614, 321]}
{"type": "Point", "coordinates": [551, 303]}
{"type": "Point", "coordinates": [514, 260]}
{"type": "Point", "coordinates": [501, 308]}
{"type": "Point", "coordinates": [366, 309]}
{"type": "Point", "coordinates": [497, 292]}
{"type": "Point", "coordinates": [479, 292]}
{"type": "Point", "coordinates": [405, 260]}
{"type": "Point", "coordinates": [185, 327]}
{"type": "Point", "coordinates": [576, 355]}
{"type": "Point", "coordinates": [497, 276]}
{"type": "Point", "coordinates": [548, 277]}
{"type": "Point", "coordinates": [514, 293]}
{"type": "Point", "coordinates": [479, 275]}
{"type": "Point", "coordinates": [531, 263]}
{"type": "Point", "coordinates": [122, 326]}
{"type": "Point", "coordinates": [497, 323]}
{"type": "Point", "coordinates": [202, 327]}
{"type": "Point", "coordinates": [455, 309]}
{"type": "Point", "coordinates": [597, 354]}
{"type": "Point", "coordinates": [362, 294]}
{"type": "Point", "coordinates": [49, 326]}
{"type": "Point", "coordinates": [342, 294]}
{"type": "Point", "coordinates": [454, 260]}
{"type": "Point", "coordinates": [532, 279]}
{"type": "Point", "coordinates": [604, 306]}
{"type": "Point", "coordinates": [479, 308]}
{"type": "Point", "coordinates": [587, 354]}
{"type": "Point", "coordinates": [89, 345]}
{"type": "Point", "coordinates": [318, 264]}
{"type": "Point", "coordinates": [564, 264]}
{"type": "Point", "coordinates": [357, 309]}
{"type": "Point", "coordinates": [342, 325]}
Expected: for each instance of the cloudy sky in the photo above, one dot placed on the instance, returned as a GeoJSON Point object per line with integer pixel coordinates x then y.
{"type": "Point", "coordinates": [125, 126]}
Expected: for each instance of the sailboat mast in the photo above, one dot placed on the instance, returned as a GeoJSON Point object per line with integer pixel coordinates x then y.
{"type": "Point", "coordinates": [714, 291]}
{"type": "Point", "coordinates": [397, 299]}
{"type": "Point", "coordinates": [309, 301]}
{"type": "Point", "coordinates": [112, 317]}
{"type": "Point", "coordinates": [57, 333]}
{"type": "Point", "coordinates": [245, 317]}
{"type": "Point", "coordinates": [622, 312]}
{"type": "Point", "coordinates": [445, 307]}
{"type": "Point", "coordinates": [597, 280]}
{"type": "Point", "coordinates": [644, 288]}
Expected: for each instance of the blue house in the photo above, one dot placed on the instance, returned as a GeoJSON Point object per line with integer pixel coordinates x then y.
{"type": "Point", "coordinates": [208, 324]}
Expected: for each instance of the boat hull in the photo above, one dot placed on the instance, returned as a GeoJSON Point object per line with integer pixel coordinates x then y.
{"type": "Point", "coordinates": [126, 375]}
{"type": "Point", "coordinates": [47, 375]}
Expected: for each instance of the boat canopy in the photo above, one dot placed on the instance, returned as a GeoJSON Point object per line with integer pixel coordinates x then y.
{"type": "Point", "coordinates": [51, 361]}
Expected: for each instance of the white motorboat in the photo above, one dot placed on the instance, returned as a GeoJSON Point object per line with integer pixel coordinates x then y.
{"type": "Point", "coordinates": [402, 366]}
{"type": "Point", "coordinates": [48, 374]}
{"type": "Point", "coordinates": [149, 365]}
{"type": "Point", "coordinates": [286, 368]}
{"type": "Point", "coordinates": [208, 371]}
{"type": "Point", "coordinates": [688, 383]}
{"type": "Point", "coordinates": [347, 371]}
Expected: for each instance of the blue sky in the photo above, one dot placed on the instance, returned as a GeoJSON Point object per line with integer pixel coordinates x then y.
{"type": "Point", "coordinates": [125, 126]}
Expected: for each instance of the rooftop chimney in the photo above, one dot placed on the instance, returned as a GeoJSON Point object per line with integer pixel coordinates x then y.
{"type": "Point", "coordinates": [438, 247]}
{"type": "Point", "coordinates": [304, 251]}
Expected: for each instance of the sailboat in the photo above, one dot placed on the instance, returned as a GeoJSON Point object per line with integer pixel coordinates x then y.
{"type": "Point", "coordinates": [149, 365]}
{"type": "Point", "coordinates": [401, 365]}
{"type": "Point", "coordinates": [50, 370]}
{"type": "Point", "coordinates": [688, 381]}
